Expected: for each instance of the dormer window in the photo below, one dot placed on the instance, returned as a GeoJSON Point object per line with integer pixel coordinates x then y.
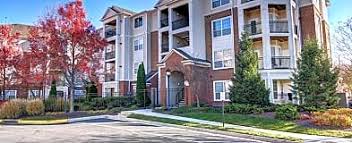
{"type": "Point", "coordinates": [218, 3]}
{"type": "Point", "coordinates": [138, 22]}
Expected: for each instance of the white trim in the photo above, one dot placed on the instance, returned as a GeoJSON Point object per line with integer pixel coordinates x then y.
{"type": "Point", "coordinates": [34, 90]}
{"type": "Point", "coordinates": [6, 96]}
{"type": "Point", "coordinates": [225, 82]}
{"type": "Point", "coordinates": [223, 67]}
{"type": "Point", "coordinates": [221, 19]}
{"type": "Point", "coordinates": [134, 22]}
{"type": "Point", "coordinates": [221, 5]}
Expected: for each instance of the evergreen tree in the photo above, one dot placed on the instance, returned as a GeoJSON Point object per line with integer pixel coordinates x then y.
{"type": "Point", "coordinates": [248, 87]}
{"type": "Point", "coordinates": [53, 90]}
{"type": "Point", "coordinates": [315, 80]}
{"type": "Point", "coordinates": [91, 88]}
{"type": "Point", "coordinates": [142, 97]}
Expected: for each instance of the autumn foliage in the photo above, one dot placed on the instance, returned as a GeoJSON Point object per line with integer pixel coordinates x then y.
{"type": "Point", "coordinates": [72, 43]}
{"type": "Point", "coordinates": [334, 118]}
{"type": "Point", "coordinates": [9, 55]}
{"type": "Point", "coordinates": [63, 45]}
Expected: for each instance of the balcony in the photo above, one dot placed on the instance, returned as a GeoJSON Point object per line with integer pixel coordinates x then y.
{"type": "Point", "coordinates": [279, 26]}
{"type": "Point", "coordinates": [281, 62]}
{"type": "Point", "coordinates": [180, 23]}
{"type": "Point", "coordinates": [109, 77]}
{"type": "Point", "coordinates": [245, 1]}
{"type": "Point", "coordinates": [253, 28]}
{"type": "Point", "coordinates": [164, 22]}
{"type": "Point", "coordinates": [109, 55]}
{"type": "Point", "coordinates": [110, 33]}
{"type": "Point", "coordinates": [180, 17]}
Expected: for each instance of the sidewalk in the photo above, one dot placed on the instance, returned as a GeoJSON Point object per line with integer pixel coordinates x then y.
{"type": "Point", "coordinates": [306, 138]}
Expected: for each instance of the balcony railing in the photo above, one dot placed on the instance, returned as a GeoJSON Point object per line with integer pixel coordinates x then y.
{"type": "Point", "coordinates": [253, 28]}
{"type": "Point", "coordinates": [110, 33]}
{"type": "Point", "coordinates": [109, 55]}
{"type": "Point", "coordinates": [109, 77]}
{"type": "Point", "coordinates": [245, 1]}
{"type": "Point", "coordinates": [279, 26]}
{"type": "Point", "coordinates": [180, 23]}
{"type": "Point", "coordinates": [281, 62]}
{"type": "Point", "coordinates": [164, 22]}
{"type": "Point", "coordinates": [165, 48]}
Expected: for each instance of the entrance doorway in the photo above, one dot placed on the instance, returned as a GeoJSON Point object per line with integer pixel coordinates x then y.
{"type": "Point", "coordinates": [175, 89]}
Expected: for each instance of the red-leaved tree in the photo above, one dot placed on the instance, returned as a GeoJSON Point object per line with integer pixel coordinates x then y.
{"type": "Point", "coordinates": [72, 41]}
{"type": "Point", "coordinates": [9, 56]}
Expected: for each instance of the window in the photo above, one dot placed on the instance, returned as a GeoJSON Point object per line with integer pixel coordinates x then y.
{"type": "Point", "coordinates": [79, 92]}
{"type": "Point", "coordinates": [223, 58]}
{"type": "Point", "coordinates": [218, 3]}
{"type": "Point", "coordinates": [138, 22]}
{"type": "Point", "coordinates": [10, 94]}
{"type": "Point", "coordinates": [222, 27]}
{"type": "Point", "coordinates": [138, 44]}
{"type": "Point", "coordinates": [222, 90]}
{"type": "Point", "coordinates": [34, 94]}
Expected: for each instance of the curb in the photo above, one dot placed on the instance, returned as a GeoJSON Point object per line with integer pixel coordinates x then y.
{"type": "Point", "coordinates": [42, 122]}
{"type": "Point", "coordinates": [56, 122]}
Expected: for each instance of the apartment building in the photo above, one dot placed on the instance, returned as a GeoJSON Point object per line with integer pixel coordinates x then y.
{"type": "Point", "coordinates": [188, 47]}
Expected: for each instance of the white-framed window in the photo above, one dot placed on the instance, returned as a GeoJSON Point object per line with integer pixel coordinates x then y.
{"type": "Point", "coordinates": [10, 94]}
{"type": "Point", "coordinates": [138, 44]}
{"type": "Point", "coordinates": [218, 3]}
{"type": "Point", "coordinates": [222, 90]}
{"type": "Point", "coordinates": [33, 94]}
{"type": "Point", "coordinates": [223, 58]}
{"type": "Point", "coordinates": [222, 27]}
{"type": "Point", "coordinates": [138, 22]}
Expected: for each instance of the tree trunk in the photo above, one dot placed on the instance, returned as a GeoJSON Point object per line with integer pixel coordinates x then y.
{"type": "Point", "coordinates": [4, 84]}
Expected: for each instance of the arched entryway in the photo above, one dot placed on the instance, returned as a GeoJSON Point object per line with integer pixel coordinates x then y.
{"type": "Point", "coordinates": [175, 89]}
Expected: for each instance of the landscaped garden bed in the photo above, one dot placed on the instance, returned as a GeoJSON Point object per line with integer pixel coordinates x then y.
{"type": "Point", "coordinates": [56, 109]}
{"type": "Point", "coordinates": [296, 123]}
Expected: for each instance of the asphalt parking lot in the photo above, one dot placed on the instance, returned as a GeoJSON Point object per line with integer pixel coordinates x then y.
{"type": "Point", "coordinates": [110, 132]}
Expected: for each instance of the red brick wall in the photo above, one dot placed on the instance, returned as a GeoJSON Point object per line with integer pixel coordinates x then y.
{"type": "Point", "coordinates": [123, 87]}
{"type": "Point", "coordinates": [154, 50]}
{"type": "Point", "coordinates": [225, 74]}
{"type": "Point", "coordinates": [307, 22]}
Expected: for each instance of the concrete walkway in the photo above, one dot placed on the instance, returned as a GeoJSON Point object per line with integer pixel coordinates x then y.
{"type": "Point", "coordinates": [306, 138]}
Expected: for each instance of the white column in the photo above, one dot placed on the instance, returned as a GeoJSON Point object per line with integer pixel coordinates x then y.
{"type": "Point", "coordinates": [266, 34]}
{"type": "Point", "coordinates": [117, 50]}
{"type": "Point", "coordinates": [240, 21]}
{"type": "Point", "coordinates": [271, 88]}
{"type": "Point", "coordinates": [170, 29]}
{"type": "Point", "coordinates": [291, 39]}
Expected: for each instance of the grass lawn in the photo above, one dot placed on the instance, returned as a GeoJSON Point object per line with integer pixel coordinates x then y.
{"type": "Point", "coordinates": [196, 125]}
{"type": "Point", "coordinates": [266, 123]}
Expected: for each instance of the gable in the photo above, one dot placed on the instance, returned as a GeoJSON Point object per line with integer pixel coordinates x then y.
{"type": "Point", "coordinates": [108, 13]}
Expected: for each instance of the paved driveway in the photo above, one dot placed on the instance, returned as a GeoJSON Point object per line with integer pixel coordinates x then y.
{"type": "Point", "coordinates": [109, 132]}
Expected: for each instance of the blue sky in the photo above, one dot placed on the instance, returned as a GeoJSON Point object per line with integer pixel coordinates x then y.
{"type": "Point", "coordinates": [28, 11]}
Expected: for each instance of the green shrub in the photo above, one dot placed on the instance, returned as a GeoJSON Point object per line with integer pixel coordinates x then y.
{"type": "Point", "coordinates": [105, 103]}
{"type": "Point", "coordinates": [287, 112]}
{"type": "Point", "coordinates": [35, 107]}
{"type": "Point", "coordinates": [13, 109]}
{"type": "Point", "coordinates": [56, 105]}
{"type": "Point", "coordinates": [243, 109]}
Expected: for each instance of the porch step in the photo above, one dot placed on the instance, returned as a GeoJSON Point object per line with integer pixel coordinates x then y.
{"type": "Point", "coordinates": [181, 103]}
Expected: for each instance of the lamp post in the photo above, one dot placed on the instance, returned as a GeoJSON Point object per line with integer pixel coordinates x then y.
{"type": "Point", "coordinates": [168, 74]}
